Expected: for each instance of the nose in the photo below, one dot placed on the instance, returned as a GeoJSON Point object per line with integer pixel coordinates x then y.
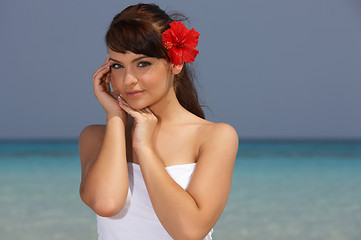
{"type": "Point", "coordinates": [129, 78]}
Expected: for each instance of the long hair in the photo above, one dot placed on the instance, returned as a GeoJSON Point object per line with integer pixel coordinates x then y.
{"type": "Point", "coordinates": [138, 29]}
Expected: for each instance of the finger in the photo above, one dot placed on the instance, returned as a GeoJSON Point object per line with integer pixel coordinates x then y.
{"type": "Point", "coordinates": [121, 99]}
{"type": "Point", "coordinates": [106, 59]}
{"type": "Point", "coordinates": [100, 74]}
{"type": "Point", "coordinates": [107, 80]}
{"type": "Point", "coordinates": [129, 110]}
{"type": "Point", "coordinates": [143, 111]}
{"type": "Point", "coordinates": [115, 94]}
{"type": "Point", "coordinates": [147, 109]}
{"type": "Point", "coordinates": [106, 65]}
{"type": "Point", "coordinates": [106, 77]}
{"type": "Point", "coordinates": [104, 86]}
{"type": "Point", "coordinates": [124, 103]}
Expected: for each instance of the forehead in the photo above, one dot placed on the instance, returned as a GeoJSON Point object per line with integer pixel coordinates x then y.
{"type": "Point", "coordinates": [127, 54]}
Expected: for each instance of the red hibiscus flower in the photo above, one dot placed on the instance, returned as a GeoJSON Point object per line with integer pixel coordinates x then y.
{"type": "Point", "coordinates": [180, 43]}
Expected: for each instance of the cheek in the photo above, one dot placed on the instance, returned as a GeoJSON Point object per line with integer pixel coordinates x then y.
{"type": "Point", "coordinates": [159, 86]}
{"type": "Point", "coordinates": [158, 80]}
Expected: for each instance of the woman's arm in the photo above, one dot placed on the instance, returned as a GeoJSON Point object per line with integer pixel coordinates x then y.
{"type": "Point", "coordinates": [104, 184]}
{"type": "Point", "coordinates": [191, 213]}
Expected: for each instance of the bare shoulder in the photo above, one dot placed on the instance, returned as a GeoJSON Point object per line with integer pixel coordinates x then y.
{"type": "Point", "coordinates": [91, 134]}
{"type": "Point", "coordinates": [217, 139]}
{"type": "Point", "coordinates": [218, 133]}
{"type": "Point", "coordinates": [211, 182]}
{"type": "Point", "coordinates": [90, 141]}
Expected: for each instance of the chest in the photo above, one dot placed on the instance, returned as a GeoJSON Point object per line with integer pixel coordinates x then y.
{"type": "Point", "coordinates": [174, 146]}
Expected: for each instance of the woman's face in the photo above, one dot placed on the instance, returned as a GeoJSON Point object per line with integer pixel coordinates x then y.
{"type": "Point", "coordinates": [142, 81]}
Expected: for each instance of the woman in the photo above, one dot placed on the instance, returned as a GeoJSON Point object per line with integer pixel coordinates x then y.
{"type": "Point", "coordinates": [157, 169]}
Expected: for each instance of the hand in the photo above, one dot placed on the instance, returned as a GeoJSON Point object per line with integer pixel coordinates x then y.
{"type": "Point", "coordinates": [145, 122]}
{"type": "Point", "coordinates": [102, 91]}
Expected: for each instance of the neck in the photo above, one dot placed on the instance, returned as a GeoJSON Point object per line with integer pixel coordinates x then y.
{"type": "Point", "coordinates": [168, 109]}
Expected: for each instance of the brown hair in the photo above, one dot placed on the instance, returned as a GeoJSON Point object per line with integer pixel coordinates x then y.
{"type": "Point", "coordinates": [138, 29]}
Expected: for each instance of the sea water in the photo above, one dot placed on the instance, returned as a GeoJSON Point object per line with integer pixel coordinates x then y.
{"type": "Point", "coordinates": [280, 190]}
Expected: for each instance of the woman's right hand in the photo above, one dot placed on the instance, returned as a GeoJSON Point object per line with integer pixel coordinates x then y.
{"type": "Point", "coordinates": [102, 91]}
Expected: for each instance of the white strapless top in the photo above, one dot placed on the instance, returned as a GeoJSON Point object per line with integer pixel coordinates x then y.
{"type": "Point", "coordinates": [137, 219]}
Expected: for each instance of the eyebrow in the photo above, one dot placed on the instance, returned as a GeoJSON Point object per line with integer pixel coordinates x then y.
{"type": "Point", "coordinates": [134, 60]}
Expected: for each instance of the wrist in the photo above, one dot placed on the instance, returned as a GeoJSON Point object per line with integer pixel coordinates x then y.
{"type": "Point", "coordinates": [117, 115]}
{"type": "Point", "coordinates": [145, 150]}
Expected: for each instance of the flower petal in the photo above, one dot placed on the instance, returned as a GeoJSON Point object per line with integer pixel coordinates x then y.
{"type": "Point", "coordinates": [189, 53]}
{"type": "Point", "coordinates": [179, 30]}
{"type": "Point", "coordinates": [176, 55]}
{"type": "Point", "coordinates": [167, 39]}
{"type": "Point", "coordinates": [180, 43]}
{"type": "Point", "coordinates": [191, 38]}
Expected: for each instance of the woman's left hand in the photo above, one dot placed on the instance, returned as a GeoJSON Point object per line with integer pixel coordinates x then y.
{"type": "Point", "coordinates": [145, 122]}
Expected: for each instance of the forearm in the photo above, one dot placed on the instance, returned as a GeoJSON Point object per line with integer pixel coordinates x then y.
{"type": "Point", "coordinates": [176, 209]}
{"type": "Point", "coordinates": [105, 186]}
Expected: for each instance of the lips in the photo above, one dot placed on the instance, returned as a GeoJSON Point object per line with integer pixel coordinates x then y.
{"type": "Point", "coordinates": [134, 93]}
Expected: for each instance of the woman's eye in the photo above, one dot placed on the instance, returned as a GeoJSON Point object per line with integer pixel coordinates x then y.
{"type": "Point", "coordinates": [144, 64]}
{"type": "Point", "coordinates": [116, 66]}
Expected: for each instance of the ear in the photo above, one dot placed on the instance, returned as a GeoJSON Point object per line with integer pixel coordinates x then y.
{"type": "Point", "coordinates": [177, 68]}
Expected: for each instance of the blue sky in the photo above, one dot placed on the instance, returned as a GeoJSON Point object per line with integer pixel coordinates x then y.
{"type": "Point", "coordinates": [272, 69]}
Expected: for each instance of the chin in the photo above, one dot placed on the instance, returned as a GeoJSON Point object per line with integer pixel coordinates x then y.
{"type": "Point", "coordinates": [138, 105]}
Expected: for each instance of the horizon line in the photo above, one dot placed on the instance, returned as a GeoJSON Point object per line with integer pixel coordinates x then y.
{"type": "Point", "coordinates": [280, 139]}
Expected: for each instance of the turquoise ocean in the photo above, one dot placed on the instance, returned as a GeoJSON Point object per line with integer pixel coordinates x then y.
{"type": "Point", "coordinates": [291, 190]}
